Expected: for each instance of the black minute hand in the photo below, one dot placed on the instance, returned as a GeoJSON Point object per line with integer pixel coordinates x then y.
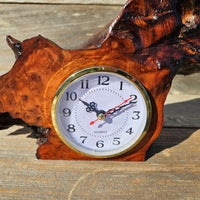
{"type": "Point", "coordinates": [112, 111]}
{"type": "Point", "coordinates": [109, 111]}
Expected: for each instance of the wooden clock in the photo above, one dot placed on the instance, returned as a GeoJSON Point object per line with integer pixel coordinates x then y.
{"type": "Point", "coordinates": [104, 101]}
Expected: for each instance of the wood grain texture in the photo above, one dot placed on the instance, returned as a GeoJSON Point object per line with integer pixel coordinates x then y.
{"type": "Point", "coordinates": [172, 26]}
{"type": "Point", "coordinates": [182, 111]}
{"type": "Point", "coordinates": [170, 171]}
{"type": "Point", "coordinates": [35, 109]}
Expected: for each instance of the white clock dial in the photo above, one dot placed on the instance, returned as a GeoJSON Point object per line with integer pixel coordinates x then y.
{"type": "Point", "coordinates": [101, 112]}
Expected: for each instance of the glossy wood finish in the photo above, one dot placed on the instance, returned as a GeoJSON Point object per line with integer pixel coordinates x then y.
{"type": "Point", "coordinates": [150, 42]}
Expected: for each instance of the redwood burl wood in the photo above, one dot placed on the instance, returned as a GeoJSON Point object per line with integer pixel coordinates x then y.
{"type": "Point", "coordinates": [151, 40]}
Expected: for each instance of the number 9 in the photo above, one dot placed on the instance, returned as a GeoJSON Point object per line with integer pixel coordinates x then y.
{"type": "Point", "coordinates": [66, 112]}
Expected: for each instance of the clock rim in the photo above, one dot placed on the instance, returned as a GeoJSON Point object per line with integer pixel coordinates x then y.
{"type": "Point", "coordinates": [94, 69]}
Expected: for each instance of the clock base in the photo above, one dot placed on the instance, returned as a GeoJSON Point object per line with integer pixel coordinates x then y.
{"type": "Point", "coordinates": [55, 149]}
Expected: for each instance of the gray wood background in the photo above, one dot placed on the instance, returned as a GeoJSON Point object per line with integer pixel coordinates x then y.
{"type": "Point", "coordinates": [172, 168]}
{"type": "Point", "coordinates": [94, 2]}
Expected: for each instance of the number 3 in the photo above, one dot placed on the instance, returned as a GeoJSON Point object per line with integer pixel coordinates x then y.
{"type": "Point", "coordinates": [136, 115]}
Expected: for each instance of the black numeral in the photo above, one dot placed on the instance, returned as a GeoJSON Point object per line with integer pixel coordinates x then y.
{"type": "Point", "coordinates": [134, 98]}
{"type": "Point", "coordinates": [83, 139]}
{"type": "Point", "coordinates": [121, 85]}
{"type": "Point", "coordinates": [103, 80]}
{"type": "Point", "coordinates": [130, 131]}
{"type": "Point", "coordinates": [100, 144]}
{"type": "Point", "coordinates": [116, 141]}
{"type": "Point", "coordinates": [71, 96]}
{"type": "Point", "coordinates": [84, 84]}
{"type": "Point", "coordinates": [136, 115]}
{"type": "Point", "coordinates": [66, 112]}
{"type": "Point", "coordinates": [71, 128]}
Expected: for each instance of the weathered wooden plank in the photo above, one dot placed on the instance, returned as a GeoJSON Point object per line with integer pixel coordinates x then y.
{"type": "Point", "coordinates": [111, 2]}
{"type": "Point", "coordinates": [182, 111]}
{"type": "Point", "coordinates": [186, 85]}
{"type": "Point", "coordinates": [172, 171]}
{"type": "Point", "coordinates": [67, 25]}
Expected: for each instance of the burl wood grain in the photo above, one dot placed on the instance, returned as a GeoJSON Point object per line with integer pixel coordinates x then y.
{"type": "Point", "coordinates": [151, 40]}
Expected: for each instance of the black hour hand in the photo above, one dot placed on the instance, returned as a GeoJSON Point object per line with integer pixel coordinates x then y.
{"type": "Point", "coordinates": [91, 107]}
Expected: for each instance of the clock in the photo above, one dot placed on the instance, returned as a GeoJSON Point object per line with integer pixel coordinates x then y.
{"type": "Point", "coordinates": [101, 112]}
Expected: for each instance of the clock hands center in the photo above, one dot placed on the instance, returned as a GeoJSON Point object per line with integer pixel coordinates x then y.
{"type": "Point", "coordinates": [103, 115]}
{"type": "Point", "coordinates": [92, 107]}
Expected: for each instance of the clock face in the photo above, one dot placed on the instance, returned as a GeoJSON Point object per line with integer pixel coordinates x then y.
{"type": "Point", "coordinates": [101, 112]}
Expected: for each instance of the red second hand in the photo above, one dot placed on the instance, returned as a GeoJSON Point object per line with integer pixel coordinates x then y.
{"type": "Point", "coordinates": [92, 122]}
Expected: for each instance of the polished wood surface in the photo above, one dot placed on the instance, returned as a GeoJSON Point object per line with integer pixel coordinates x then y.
{"type": "Point", "coordinates": [171, 169]}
